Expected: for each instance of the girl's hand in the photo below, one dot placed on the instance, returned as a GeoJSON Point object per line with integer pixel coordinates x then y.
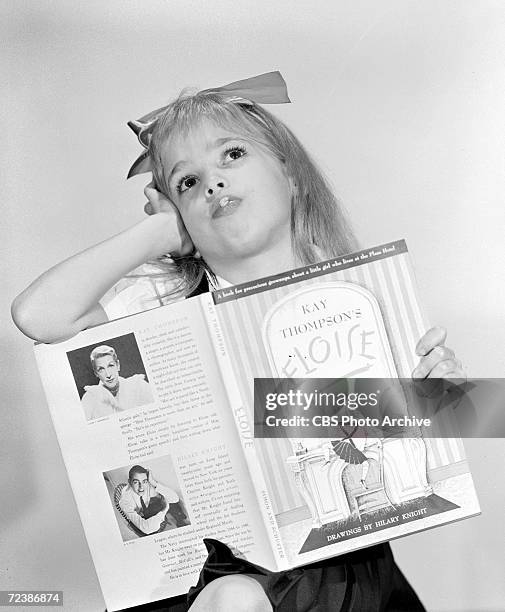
{"type": "Point", "coordinates": [437, 360]}
{"type": "Point", "coordinates": [176, 239]}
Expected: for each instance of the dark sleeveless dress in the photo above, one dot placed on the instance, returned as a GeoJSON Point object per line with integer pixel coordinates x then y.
{"type": "Point", "coordinates": [367, 580]}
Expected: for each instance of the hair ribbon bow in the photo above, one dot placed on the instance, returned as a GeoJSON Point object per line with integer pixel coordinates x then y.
{"type": "Point", "coordinates": [268, 88]}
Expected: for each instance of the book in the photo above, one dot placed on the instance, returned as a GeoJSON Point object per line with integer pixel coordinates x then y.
{"type": "Point", "coordinates": [156, 415]}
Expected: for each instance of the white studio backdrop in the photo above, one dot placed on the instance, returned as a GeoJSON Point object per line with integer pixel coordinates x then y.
{"type": "Point", "coordinates": [400, 102]}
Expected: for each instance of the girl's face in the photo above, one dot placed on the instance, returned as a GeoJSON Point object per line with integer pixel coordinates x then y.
{"type": "Point", "coordinates": [233, 195]}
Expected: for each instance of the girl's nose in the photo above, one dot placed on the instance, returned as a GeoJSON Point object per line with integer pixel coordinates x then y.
{"type": "Point", "coordinates": [214, 186]}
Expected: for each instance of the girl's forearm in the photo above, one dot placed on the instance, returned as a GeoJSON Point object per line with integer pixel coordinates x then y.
{"type": "Point", "coordinates": [64, 300]}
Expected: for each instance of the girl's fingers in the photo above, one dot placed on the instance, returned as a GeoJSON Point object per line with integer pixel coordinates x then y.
{"type": "Point", "coordinates": [433, 337]}
{"type": "Point", "coordinates": [443, 369]}
{"type": "Point", "coordinates": [152, 195]}
{"type": "Point", "coordinates": [149, 188]}
{"type": "Point", "coordinates": [155, 199]}
{"type": "Point", "coordinates": [437, 360]}
{"type": "Point", "coordinates": [427, 364]}
{"type": "Point", "coordinates": [450, 370]}
{"type": "Point", "coordinates": [157, 202]}
{"type": "Point", "coordinates": [178, 241]}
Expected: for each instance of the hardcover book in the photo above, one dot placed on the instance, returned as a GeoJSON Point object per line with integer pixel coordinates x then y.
{"type": "Point", "coordinates": [161, 451]}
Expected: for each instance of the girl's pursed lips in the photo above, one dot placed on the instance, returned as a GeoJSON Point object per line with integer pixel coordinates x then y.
{"type": "Point", "coordinates": [224, 205]}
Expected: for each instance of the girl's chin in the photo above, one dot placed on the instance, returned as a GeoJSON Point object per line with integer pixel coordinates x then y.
{"type": "Point", "coordinates": [239, 237]}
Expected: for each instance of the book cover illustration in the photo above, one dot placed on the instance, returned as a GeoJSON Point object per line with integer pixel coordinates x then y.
{"type": "Point", "coordinates": [354, 316]}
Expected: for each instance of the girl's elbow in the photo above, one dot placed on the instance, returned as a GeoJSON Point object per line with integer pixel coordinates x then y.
{"type": "Point", "coordinates": [24, 317]}
{"type": "Point", "coordinates": [36, 323]}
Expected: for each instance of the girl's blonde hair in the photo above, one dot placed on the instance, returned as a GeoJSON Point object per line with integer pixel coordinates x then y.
{"type": "Point", "coordinates": [317, 219]}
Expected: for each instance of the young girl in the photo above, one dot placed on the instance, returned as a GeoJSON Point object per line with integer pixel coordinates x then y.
{"type": "Point", "coordinates": [234, 197]}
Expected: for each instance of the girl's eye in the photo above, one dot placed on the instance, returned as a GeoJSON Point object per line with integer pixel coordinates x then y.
{"type": "Point", "coordinates": [234, 153]}
{"type": "Point", "coordinates": [186, 183]}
